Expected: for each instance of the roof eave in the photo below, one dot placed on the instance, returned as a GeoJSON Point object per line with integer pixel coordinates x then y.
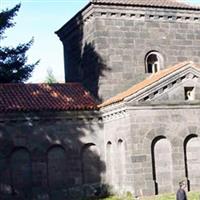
{"type": "Point", "coordinates": [152, 84]}
{"type": "Point", "coordinates": [59, 31]}
{"type": "Point", "coordinates": [197, 8]}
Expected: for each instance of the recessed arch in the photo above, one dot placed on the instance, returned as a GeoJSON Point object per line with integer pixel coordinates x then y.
{"type": "Point", "coordinates": [91, 165]}
{"type": "Point", "coordinates": [161, 152]}
{"type": "Point", "coordinates": [192, 161]}
{"type": "Point", "coordinates": [21, 172]}
{"type": "Point", "coordinates": [56, 166]}
{"type": "Point", "coordinates": [120, 141]}
{"type": "Point", "coordinates": [154, 62]}
{"type": "Point", "coordinates": [87, 145]}
{"type": "Point", "coordinates": [109, 162]}
{"type": "Point", "coordinates": [120, 162]}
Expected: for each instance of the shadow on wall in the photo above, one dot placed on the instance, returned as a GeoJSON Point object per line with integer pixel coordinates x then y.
{"type": "Point", "coordinates": [82, 62]}
{"type": "Point", "coordinates": [50, 155]}
{"type": "Point", "coordinates": [92, 68]}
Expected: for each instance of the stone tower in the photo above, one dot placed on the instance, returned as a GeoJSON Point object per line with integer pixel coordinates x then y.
{"type": "Point", "coordinates": [112, 44]}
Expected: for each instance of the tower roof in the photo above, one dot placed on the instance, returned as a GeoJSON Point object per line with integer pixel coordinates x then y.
{"type": "Point", "coordinates": [150, 3]}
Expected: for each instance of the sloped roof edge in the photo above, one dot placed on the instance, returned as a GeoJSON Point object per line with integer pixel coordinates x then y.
{"type": "Point", "coordinates": [173, 4]}
{"type": "Point", "coordinates": [77, 15]}
{"type": "Point", "coordinates": [147, 82]}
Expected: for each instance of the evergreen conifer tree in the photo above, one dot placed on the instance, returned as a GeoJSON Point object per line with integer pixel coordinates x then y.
{"type": "Point", "coordinates": [13, 61]}
{"type": "Point", "coordinates": [50, 78]}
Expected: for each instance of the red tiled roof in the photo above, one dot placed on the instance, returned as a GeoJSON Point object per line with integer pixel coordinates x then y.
{"type": "Point", "coordinates": [41, 97]}
{"type": "Point", "coordinates": [147, 82]}
{"type": "Point", "coordinates": [150, 3]}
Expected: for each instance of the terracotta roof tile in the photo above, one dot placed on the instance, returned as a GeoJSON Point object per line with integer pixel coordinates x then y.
{"type": "Point", "coordinates": [147, 82]}
{"type": "Point", "coordinates": [41, 97]}
{"type": "Point", "coordinates": [150, 3]}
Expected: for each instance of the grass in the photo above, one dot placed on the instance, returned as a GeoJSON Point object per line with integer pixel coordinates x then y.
{"type": "Point", "coordinates": [191, 196]}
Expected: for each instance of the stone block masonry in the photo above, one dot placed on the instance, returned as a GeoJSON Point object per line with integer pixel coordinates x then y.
{"type": "Point", "coordinates": [50, 155]}
{"type": "Point", "coordinates": [115, 40]}
{"type": "Point", "coordinates": [158, 152]}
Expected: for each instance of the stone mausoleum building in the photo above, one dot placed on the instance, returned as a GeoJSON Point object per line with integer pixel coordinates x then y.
{"type": "Point", "coordinates": [128, 116]}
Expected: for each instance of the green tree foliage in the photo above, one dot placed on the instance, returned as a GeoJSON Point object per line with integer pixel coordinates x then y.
{"type": "Point", "coordinates": [13, 61]}
{"type": "Point", "coordinates": [50, 78]}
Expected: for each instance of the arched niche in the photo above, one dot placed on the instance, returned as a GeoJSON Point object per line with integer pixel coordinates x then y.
{"type": "Point", "coordinates": [56, 167]}
{"type": "Point", "coordinates": [120, 162]}
{"type": "Point", "coordinates": [20, 165]}
{"type": "Point", "coordinates": [192, 161]}
{"type": "Point", "coordinates": [109, 162]}
{"type": "Point", "coordinates": [162, 165]}
{"type": "Point", "coordinates": [5, 176]}
{"type": "Point", "coordinates": [91, 165]}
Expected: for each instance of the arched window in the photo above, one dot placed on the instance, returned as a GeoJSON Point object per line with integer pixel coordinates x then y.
{"type": "Point", "coordinates": [153, 62]}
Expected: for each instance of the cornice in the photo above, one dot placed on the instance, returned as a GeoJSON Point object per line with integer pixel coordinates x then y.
{"type": "Point", "coordinates": [68, 116]}
{"type": "Point", "coordinates": [122, 111]}
{"type": "Point", "coordinates": [114, 114]}
{"type": "Point", "coordinates": [193, 105]}
{"type": "Point", "coordinates": [93, 11]}
{"type": "Point", "coordinates": [167, 83]}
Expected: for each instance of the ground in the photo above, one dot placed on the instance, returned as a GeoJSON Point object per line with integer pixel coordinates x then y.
{"type": "Point", "coordinates": [191, 196]}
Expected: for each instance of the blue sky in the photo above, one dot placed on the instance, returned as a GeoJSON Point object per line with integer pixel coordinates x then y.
{"type": "Point", "coordinates": [40, 19]}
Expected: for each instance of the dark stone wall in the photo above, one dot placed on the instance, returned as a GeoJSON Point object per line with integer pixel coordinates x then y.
{"type": "Point", "coordinates": [127, 42]}
{"type": "Point", "coordinates": [50, 156]}
{"type": "Point", "coordinates": [56, 156]}
{"type": "Point", "coordinates": [119, 39]}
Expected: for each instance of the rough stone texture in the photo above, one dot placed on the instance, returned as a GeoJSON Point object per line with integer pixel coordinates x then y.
{"type": "Point", "coordinates": [162, 155]}
{"type": "Point", "coordinates": [193, 162]}
{"type": "Point", "coordinates": [139, 145]}
{"type": "Point", "coordinates": [112, 43]}
{"type": "Point", "coordinates": [50, 155]}
{"type": "Point", "coordinates": [161, 136]}
{"type": "Point", "coordinates": [149, 162]}
{"type": "Point", "coordinates": [71, 155]}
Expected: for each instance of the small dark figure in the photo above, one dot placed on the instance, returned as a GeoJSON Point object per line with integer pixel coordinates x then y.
{"type": "Point", "coordinates": [137, 197]}
{"type": "Point", "coordinates": [181, 194]}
